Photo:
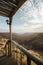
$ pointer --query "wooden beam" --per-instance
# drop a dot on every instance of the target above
(4, 10)
(11, 3)
(3, 14)
(6, 3)
(18, 6)
(5, 6)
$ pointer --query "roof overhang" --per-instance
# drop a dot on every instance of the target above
(9, 7)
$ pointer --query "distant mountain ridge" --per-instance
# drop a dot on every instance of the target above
(30, 41)
(15, 36)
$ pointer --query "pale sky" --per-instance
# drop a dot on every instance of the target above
(28, 19)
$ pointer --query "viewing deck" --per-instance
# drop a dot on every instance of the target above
(14, 55)
(5, 60)
(20, 56)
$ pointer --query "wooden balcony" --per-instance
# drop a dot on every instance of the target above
(8, 8)
(18, 52)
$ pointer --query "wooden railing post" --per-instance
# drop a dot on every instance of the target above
(20, 57)
(6, 49)
(28, 61)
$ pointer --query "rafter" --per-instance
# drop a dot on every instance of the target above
(13, 1)
(9, 2)
(5, 6)
(6, 3)
(4, 10)
(3, 14)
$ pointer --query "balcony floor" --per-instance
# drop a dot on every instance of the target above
(5, 60)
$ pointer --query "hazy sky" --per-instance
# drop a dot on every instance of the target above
(29, 18)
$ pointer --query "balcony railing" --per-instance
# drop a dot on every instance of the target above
(23, 52)
(30, 57)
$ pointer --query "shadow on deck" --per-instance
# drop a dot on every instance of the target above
(5, 60)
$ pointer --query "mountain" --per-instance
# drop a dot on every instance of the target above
(30, 41)
(34, 43)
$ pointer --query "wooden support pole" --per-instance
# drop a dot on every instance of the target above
(28, 61)
(10, 26)
(10, 37)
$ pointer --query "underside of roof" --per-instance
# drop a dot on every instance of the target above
(9, 7)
